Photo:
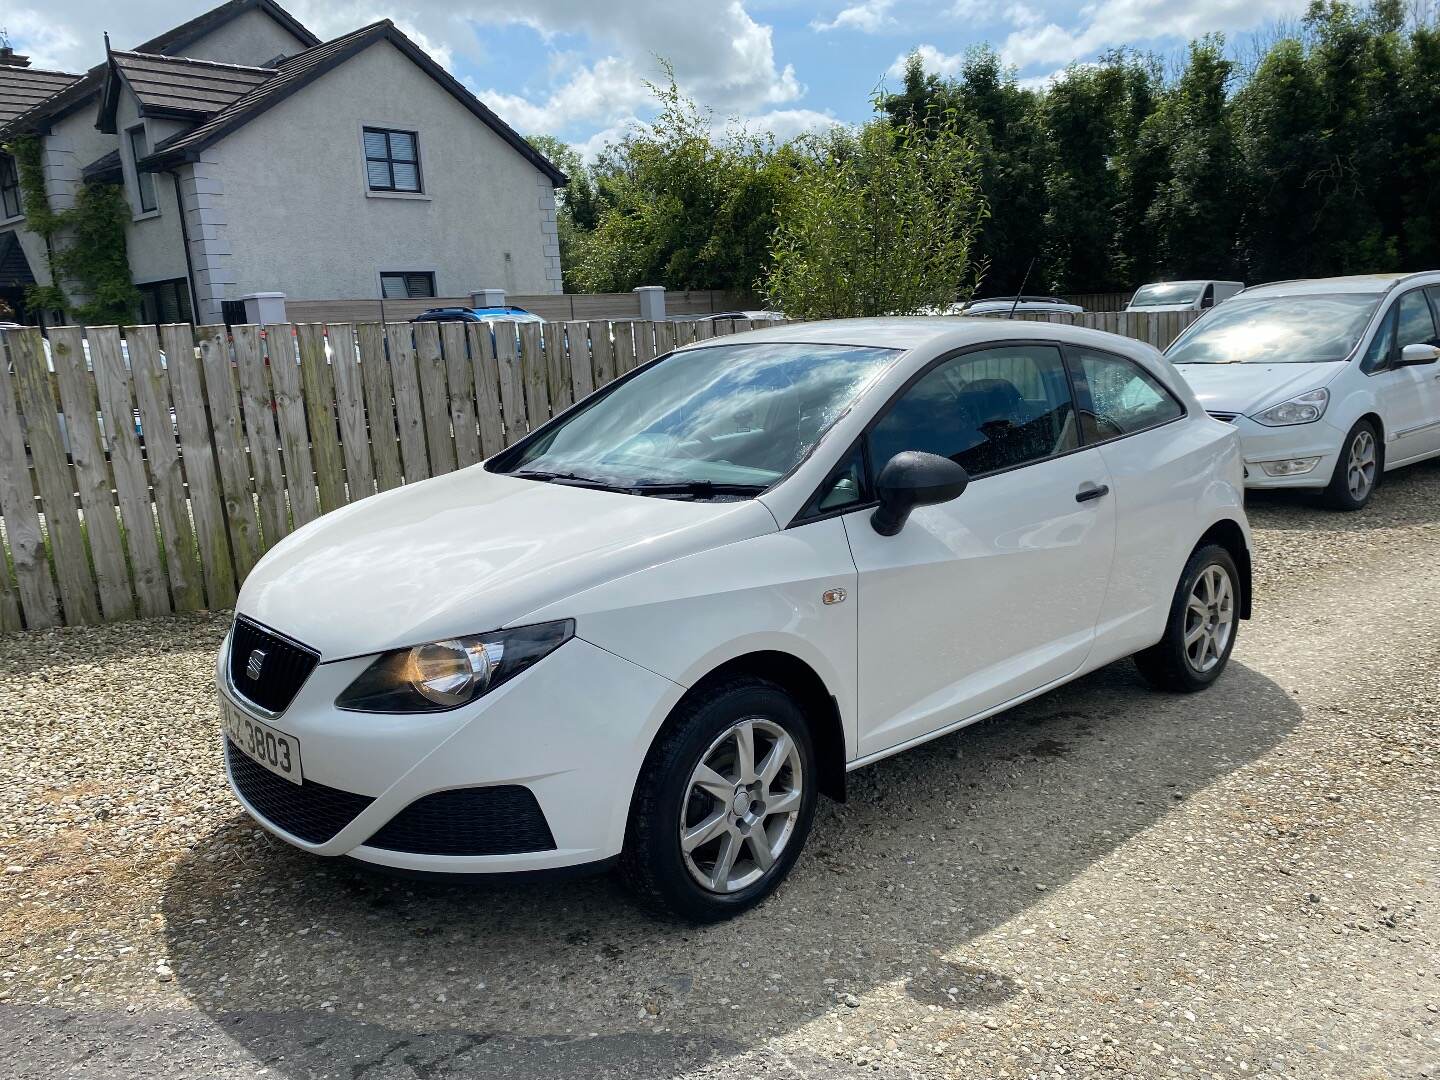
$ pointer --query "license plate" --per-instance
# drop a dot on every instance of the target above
(261, 743)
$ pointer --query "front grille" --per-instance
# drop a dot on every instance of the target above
(1227, 417)
(311, 811)
(283, 665)
(503, 820)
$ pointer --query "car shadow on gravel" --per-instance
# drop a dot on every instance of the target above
(319, 968)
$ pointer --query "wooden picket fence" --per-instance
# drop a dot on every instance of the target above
(145, 470)
(1158, 328)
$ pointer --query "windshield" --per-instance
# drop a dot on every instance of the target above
(1277, 330)
(730, 417)
(1174, 292)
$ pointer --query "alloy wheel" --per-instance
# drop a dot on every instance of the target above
(1360, 468)
(1209, 618)
(741, 805)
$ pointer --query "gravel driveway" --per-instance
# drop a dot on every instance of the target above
(1105, 881)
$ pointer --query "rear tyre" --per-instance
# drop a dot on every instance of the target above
(723, 804)
(1357, 472)
(1200, 634)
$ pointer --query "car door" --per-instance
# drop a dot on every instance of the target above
(994, 594)
(1157, 477)
(1408, 397)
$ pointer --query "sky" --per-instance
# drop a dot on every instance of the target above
(577, 69)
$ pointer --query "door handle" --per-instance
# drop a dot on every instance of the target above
(1091, 493)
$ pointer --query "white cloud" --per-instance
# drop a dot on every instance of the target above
(722, 57)
(49, 44)
(936, 62)
(731, 65)
(1119, 22)
(1043, 82)
(1022, 15)
(868, 17)
(785, 124)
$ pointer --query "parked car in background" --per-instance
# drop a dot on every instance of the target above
(1330, 382)
(1182, 295)
(1023, 305)
(484, 314)
(872, 532)
(774, 316)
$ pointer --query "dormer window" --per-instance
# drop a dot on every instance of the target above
(392, 160)
(144, 181)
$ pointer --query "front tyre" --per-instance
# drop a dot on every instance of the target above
(1200, 633)
(1358, 469)
(723, 804)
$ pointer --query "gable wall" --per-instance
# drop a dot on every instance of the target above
(301, 220)
(251, 38)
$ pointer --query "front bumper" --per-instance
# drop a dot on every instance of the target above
(561, 745)
(1260, 444)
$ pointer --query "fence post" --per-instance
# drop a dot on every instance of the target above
(264, 307)
(487, 298)
(652, 302)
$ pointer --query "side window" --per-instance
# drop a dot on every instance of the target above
(1208, 300)
(987, 410)
(392, 160)
(399, 284)
(1124, 397)
(1382, 346)
(144, 181)
(1416, 321)
(846, 488)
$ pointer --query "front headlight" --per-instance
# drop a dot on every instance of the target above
(443, 675)
(1305, 409)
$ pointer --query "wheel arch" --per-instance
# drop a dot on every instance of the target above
(1228, 534)
(804, 683)
(1374, 417)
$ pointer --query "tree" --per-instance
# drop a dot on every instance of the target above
(1194, 212)
(987, 104)
(1079, 113)
(680, 205)
(1282, 149)
(882, 221)
(577, 204)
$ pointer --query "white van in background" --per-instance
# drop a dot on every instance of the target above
(1182, 295)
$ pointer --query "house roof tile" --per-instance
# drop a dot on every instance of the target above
(179, 84)
(79, 89)
(22, 88)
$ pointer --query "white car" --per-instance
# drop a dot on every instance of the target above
(1330, 382)
(655, 629)
(1182, 295)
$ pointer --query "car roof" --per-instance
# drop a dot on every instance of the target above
(913, 332)
(1355, 283)
(1022, 299)
(1192, 281)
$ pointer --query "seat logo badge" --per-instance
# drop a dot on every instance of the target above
(833, 596)
(255, 664)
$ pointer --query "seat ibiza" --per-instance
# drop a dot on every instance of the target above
(651, 632)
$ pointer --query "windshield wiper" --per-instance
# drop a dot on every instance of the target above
(696, 489)
(569, 479)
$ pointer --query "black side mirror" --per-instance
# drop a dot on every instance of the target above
(914, 478)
